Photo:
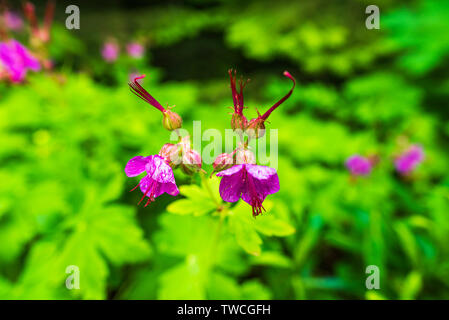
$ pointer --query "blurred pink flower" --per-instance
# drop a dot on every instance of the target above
(135, 50)
(13, 21)
(16, 60)
(409, 159)
(358, 165)
(110, 51)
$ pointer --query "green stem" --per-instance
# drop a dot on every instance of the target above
(205, 182)
(222, 212)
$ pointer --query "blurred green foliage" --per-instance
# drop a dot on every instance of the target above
(65, 138)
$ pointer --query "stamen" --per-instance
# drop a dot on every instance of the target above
(256, 203)
(145, 194)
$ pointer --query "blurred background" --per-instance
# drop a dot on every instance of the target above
(67, 131)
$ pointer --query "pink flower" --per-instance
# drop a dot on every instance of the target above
(135, 50)
(17, 60)
(409, 159)
(158, 179)
(110, 51)
(13, 21)
(250, 182)
(358, 165)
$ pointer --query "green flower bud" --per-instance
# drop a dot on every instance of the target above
(171, 120)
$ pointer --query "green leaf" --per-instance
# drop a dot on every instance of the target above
(184, 281)
(198, 201)
(247, 228)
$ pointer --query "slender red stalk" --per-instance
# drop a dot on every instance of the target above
(28, 9)
(139, 91)
(269, 111)
(48, 19)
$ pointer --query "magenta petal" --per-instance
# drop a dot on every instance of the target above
(260, 172)
(169, 188)
(265, 179)
(230, 171)
(27, 59)
(160, 171)
(145, 183)
(246, 196)
(231, 186)
(151, 187)
(136, 165)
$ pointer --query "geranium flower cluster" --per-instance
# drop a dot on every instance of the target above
(242, 178)
(158, 169)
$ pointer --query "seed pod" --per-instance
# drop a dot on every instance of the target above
(172, 154)
(256, 128)
(238, 121)
(171, 120)
(191, 162)
(222, 162)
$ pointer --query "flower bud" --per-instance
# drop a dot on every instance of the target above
(223, 161)
(184, 144)
(171, 153)
(255, 128)
(238, 121)
(171, 120)
(191, 162)
(245, 156)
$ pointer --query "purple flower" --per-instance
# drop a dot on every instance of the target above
(358, 165)
(110, 51)
(135, 50)
(250, 182)
(159, 176)
(409, 159)
(16, 60)
(13, 21)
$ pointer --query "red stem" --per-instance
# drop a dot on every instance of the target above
(139, 91)
(269, 111)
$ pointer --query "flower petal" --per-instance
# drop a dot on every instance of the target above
(260, 172)
(27, 59)
(230, 171)
(136, 165)
(231, 186)
(159, 188)
(168, 187)
(160, 171)
(145, 183)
